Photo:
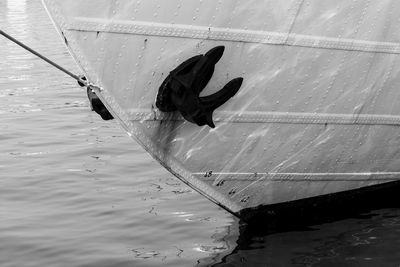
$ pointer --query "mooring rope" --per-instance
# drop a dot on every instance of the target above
(76, 77)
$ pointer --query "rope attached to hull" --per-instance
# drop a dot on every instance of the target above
(95, 101)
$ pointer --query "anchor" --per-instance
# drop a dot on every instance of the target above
(181, 90)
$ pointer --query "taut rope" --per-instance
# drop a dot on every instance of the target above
(76, 77)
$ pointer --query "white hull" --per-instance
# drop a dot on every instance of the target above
(318, 111)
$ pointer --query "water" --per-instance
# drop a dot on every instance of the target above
(77, 191)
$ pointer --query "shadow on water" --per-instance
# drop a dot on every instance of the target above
(360, 228)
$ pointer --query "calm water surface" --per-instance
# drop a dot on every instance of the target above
(76, 191)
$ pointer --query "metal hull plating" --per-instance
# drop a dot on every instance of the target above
(317, 113)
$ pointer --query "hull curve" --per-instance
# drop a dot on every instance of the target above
(317, 113)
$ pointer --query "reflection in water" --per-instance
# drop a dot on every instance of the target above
(363, 231)
(16, 13)
(368, 240)
(16, 6)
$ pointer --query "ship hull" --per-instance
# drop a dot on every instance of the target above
(317, 113)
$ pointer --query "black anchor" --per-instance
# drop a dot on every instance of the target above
(181, 89)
